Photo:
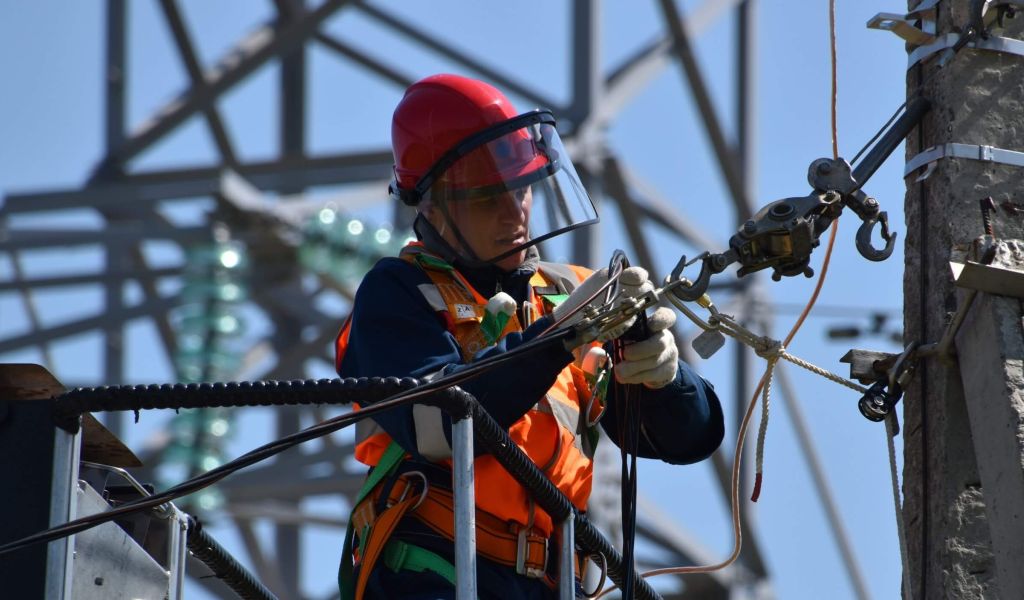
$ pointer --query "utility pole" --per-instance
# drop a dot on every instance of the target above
(963, 428)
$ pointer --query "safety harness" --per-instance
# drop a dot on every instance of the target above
(389, 495)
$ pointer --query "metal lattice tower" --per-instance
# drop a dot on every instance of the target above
(261, 202)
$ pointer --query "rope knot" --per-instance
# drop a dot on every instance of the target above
(768, 348)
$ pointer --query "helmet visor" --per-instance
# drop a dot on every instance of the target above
(509, 188)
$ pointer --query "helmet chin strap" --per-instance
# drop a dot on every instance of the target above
(435, 242)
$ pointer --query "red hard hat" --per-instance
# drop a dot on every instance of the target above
(439, 112)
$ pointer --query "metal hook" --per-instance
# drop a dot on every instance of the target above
(864, 246)
(694, 290)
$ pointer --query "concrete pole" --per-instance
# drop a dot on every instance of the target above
(978, 98)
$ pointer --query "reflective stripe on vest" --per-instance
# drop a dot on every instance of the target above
(551, 434)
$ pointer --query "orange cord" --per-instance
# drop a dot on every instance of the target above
(835, 224)
(734, 495)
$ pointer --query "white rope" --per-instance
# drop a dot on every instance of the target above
(768, 348)
(890, 434)
(771, 350)
(824, 373)
(762, 431)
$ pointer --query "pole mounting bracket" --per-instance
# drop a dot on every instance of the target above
(930, 157)
(902, 25)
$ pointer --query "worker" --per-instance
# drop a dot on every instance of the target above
(489, 187)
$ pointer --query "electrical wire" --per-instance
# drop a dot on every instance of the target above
(331, 425)
(835, 79)
(628, 417)
(280, 445)
(965, 38)
(745, 423)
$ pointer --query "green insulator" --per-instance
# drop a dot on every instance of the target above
(218, 427)
(315, 256)
(220, 289)
(231, 256)
(209, 499)
(217, 321)
(326, 217)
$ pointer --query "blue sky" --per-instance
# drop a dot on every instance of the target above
(52, 111)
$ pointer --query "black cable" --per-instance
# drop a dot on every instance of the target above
(223, 565)
(629, 429)
(965, 38)
(126, 398)
(491, 435)
(276, 447)
(497, 442)
(627, 407)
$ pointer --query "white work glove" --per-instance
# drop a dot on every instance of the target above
(654, 361)
(632, 283)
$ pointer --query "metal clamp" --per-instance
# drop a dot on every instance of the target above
(983, 153)
(600, 321)
(992, 43)
(882, 396)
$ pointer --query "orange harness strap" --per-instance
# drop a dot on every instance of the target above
(502, 542)
(372, 548)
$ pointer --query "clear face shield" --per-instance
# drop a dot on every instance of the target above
(505, 189)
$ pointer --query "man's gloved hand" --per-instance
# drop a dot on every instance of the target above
(632, 283)
(654, 361)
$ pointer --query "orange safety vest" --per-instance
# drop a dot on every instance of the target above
(552, 433)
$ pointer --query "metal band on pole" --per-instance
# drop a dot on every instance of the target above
(929, 157)
(465, 509)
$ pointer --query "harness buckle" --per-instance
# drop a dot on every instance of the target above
(408, 486)
(522, 553)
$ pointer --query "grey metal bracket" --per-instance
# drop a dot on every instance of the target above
(932, 155)
(868, 366)
(906, 26)
(992, 279)
(903, 26)
(993, 43)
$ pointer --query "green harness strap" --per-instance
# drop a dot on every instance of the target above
(398, 555)
(388, 462)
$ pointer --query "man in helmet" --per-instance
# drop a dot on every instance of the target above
(489, 186)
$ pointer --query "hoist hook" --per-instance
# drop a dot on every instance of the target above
(690, 291)
(864, 246)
